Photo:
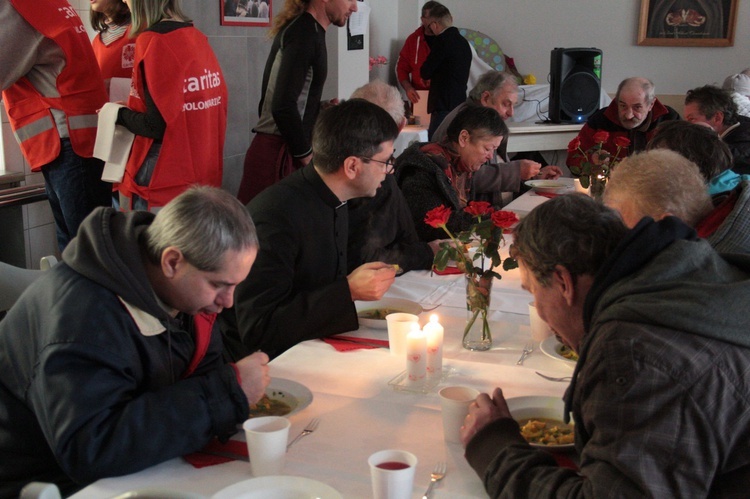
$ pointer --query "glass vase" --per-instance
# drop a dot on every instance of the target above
(477, 334)
(598, 184)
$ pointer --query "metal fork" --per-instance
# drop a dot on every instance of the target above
(564, 378)
(437, 474)
(311, 427)
(526, 351)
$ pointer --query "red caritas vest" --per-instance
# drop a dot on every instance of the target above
(116, 59)
(188, 87)
(79, 85)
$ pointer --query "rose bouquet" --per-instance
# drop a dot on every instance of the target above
(597, 162)
(486, 235)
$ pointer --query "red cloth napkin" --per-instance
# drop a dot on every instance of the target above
(200, 459)
(348, 343)
(547, 194)
(447, 271)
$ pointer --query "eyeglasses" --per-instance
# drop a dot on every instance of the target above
(388, 163)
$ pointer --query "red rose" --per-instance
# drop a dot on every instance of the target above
(478, 208)
(622, 141)
(504, 219)
(574, 144)
(437, 217)
(601, 136)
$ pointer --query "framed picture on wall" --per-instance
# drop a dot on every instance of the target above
(245, 12)
(687, 23)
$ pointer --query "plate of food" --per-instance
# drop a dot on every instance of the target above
(548, 186)
(278, 487)
(372, 313)
(541, 421)
(553, 348)
(283, 397)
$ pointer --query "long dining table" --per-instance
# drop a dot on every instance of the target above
(363, 409)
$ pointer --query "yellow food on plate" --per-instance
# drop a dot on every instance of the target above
(568, 353)
(268, 406)
(376, 313)
(545, 431)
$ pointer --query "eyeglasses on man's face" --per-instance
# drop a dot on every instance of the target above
(388, 162)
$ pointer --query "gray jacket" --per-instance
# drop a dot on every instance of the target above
(733, 235)
(660, 393)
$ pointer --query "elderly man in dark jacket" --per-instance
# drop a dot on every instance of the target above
(108, 362)
(634, 114)
(659, 396)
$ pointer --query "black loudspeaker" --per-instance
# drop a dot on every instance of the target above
(575, 84)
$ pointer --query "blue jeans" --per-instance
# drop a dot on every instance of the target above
(74, 188)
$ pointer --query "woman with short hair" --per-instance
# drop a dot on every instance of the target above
(434, 174)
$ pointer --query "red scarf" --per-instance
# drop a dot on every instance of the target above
(454, 168)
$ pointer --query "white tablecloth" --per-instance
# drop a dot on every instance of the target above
(361, 414)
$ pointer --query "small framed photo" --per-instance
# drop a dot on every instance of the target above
(245, 12)
(687, 23)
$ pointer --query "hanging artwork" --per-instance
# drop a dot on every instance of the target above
(245, 12)
(687, 23)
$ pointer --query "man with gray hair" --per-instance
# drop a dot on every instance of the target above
(384, 95)
(634, 114)
(658, 183)
(109, 363)
(498, 90)
(659, 394)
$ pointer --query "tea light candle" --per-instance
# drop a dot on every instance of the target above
(416, 354)
(434, 336)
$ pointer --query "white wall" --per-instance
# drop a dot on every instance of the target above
(347, 69)
(528, 30)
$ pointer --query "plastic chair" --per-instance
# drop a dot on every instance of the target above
(14, 280)
(47, 262)
(40, 490)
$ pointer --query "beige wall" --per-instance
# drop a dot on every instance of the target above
(528, 30)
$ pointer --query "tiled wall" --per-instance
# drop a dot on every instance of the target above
(38, 224)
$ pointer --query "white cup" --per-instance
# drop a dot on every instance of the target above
(454, 402)
(399, 325)
(392, 483)
(540, 330)
(266, 444)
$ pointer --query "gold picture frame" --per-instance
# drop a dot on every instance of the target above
(687, 23)
(245, 12)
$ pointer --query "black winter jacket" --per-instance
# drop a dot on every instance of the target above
(84, 394)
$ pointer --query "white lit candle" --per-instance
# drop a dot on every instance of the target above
(416, 355)
(434, 335)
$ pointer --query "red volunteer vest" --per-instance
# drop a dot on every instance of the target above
(187, 85)
(116, 59)
(79, 84)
